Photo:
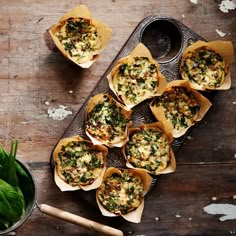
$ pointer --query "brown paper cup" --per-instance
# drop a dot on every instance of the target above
(103, 31)
(59, 178)
(135, 215)
(167, 132)
(223, 48)
(118, 141)
(203, 102)
(139, 51)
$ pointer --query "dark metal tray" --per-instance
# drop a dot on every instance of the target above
(166, 38)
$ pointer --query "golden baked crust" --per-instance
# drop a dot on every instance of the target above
(107, 121)
(149, 148)
(179, 107)
(206, 65)
(122, 193)
(136, 77)
(78, 162)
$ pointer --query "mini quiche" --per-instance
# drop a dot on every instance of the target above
(122, 193)
(206, 65)
(149, 148)
(179, 107)
(79, 37)
(136, 77)
(107, 121)
(79, 164)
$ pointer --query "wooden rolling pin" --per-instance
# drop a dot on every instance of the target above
(83, 222)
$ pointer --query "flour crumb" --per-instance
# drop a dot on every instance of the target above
(222, 34)
(227, 210)
(234, 155)
(59, 113)
(214, 198)
(227, 5)
(157, 218)
(24, 122)
(47, 103)
(193, 1)
(190, 218)
(189, 137)
(183, 16)
(71, 91)
(234, 102)
(234, 197)
(178, 215)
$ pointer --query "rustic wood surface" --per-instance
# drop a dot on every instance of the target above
(31, 73)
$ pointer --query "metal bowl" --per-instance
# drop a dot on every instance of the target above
(30, 201)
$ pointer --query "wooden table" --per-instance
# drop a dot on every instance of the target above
(33, 76)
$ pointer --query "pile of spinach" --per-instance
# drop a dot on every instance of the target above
(15, 187)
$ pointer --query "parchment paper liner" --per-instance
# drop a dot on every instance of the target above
(82, 12)
(203, 102)
(158, 126)
(225, 49)
(135, 215)
(59, 178)
(120, 141)
(139, 51)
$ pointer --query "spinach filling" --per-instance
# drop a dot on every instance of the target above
(78, 161)
(180, 107)
(107, 116)
(121, 193)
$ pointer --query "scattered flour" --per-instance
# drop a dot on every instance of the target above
(193, 1)
(24, 122)
(59, 113)
(220, 33)
(178, 216)
(227, 5)
(228, 210)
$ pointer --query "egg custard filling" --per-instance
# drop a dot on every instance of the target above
(148, 149)
(121, 193)
(79, 163)
(204, 67)
(180, 107)
(106, 121)
(137, 78)
(80, 38)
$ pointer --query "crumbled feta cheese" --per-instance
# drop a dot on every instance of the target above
(220, 33)
(227, 5)
(193, 1)
(58, 113)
